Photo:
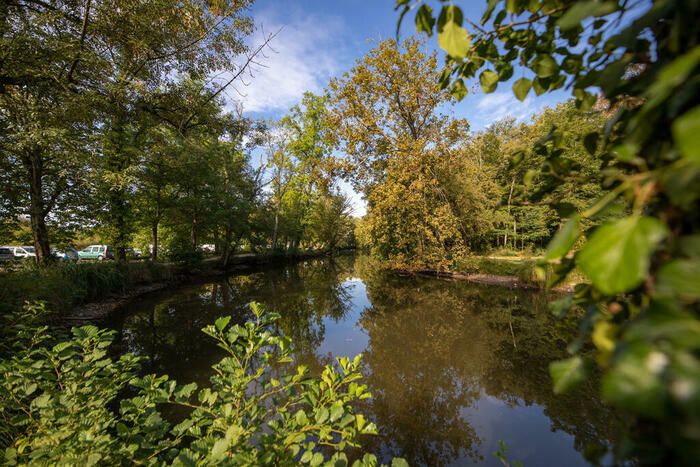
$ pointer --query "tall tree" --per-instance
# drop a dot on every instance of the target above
(385, 115)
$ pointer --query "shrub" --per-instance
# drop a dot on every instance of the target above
(180, 251)
(62, 286)
(63, 399)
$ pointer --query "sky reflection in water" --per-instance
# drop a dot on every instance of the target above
(453, 367)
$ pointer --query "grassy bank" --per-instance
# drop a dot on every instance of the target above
(64, 286)
(508, 271)
(520, 267)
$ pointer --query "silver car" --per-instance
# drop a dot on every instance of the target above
(67, 255)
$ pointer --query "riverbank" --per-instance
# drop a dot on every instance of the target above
(513, 272)
(87, 291)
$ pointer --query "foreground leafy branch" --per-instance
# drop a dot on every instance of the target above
(71, 403)
(640, 63)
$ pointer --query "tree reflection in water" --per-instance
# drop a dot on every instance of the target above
(453, 367)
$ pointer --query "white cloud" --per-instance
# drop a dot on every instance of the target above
(303, 56)
(500, 105)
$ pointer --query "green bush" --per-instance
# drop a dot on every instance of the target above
(67, 404)
(179, 250)
(62, 286)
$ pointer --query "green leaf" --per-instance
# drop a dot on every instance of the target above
(301, 417)
(399, 462)
(563, 240)
(603, 337)
(459, 90)
(218, 451)
(488, 80)
(521, 87)
(306, 457)
(322, 415)
(41, 401)
(686, 134)
(680, 278)
(424, 19)
(454, 39)
(634, 383)
(489, 11)
(317, 459)
(403, 13)
(545, 66)
(540, 86)
(625, 152)
(336, 411)
(582, 10)
(616, 257)
(567, 374)
(222, 322)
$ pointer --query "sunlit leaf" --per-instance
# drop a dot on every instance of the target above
(616, 258)
(488, 80)
(454, 39)
(459, 90)
(603, 338)
(563, 240)
(521, 87)
(545, 66)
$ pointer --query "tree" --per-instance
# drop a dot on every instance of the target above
(305, 127)
(329, 224)
(70, 68)
(42, 111)
(385, 115)
(282, 167)
(643, 299)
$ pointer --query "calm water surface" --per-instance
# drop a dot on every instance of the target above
(453, 367)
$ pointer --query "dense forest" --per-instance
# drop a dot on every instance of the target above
(117, 127)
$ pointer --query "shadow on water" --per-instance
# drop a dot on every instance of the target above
(453, 367)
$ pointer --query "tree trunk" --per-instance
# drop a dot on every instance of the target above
(226, 253)
(193, 231)
(37, 214)
(154, 239)
(277, 221)
(155, 225)
(120, 223)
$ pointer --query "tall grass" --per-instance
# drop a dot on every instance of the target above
(63, 286)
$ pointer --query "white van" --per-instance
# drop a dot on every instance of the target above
(22, 251)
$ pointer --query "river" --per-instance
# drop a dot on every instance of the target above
(454, 368)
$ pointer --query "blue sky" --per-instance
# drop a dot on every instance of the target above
(321, 39)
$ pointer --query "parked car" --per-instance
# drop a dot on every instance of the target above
(208, 248)
(67, 255)
(133, 252)
(21, 252)
(98, 252)
(6, 254)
